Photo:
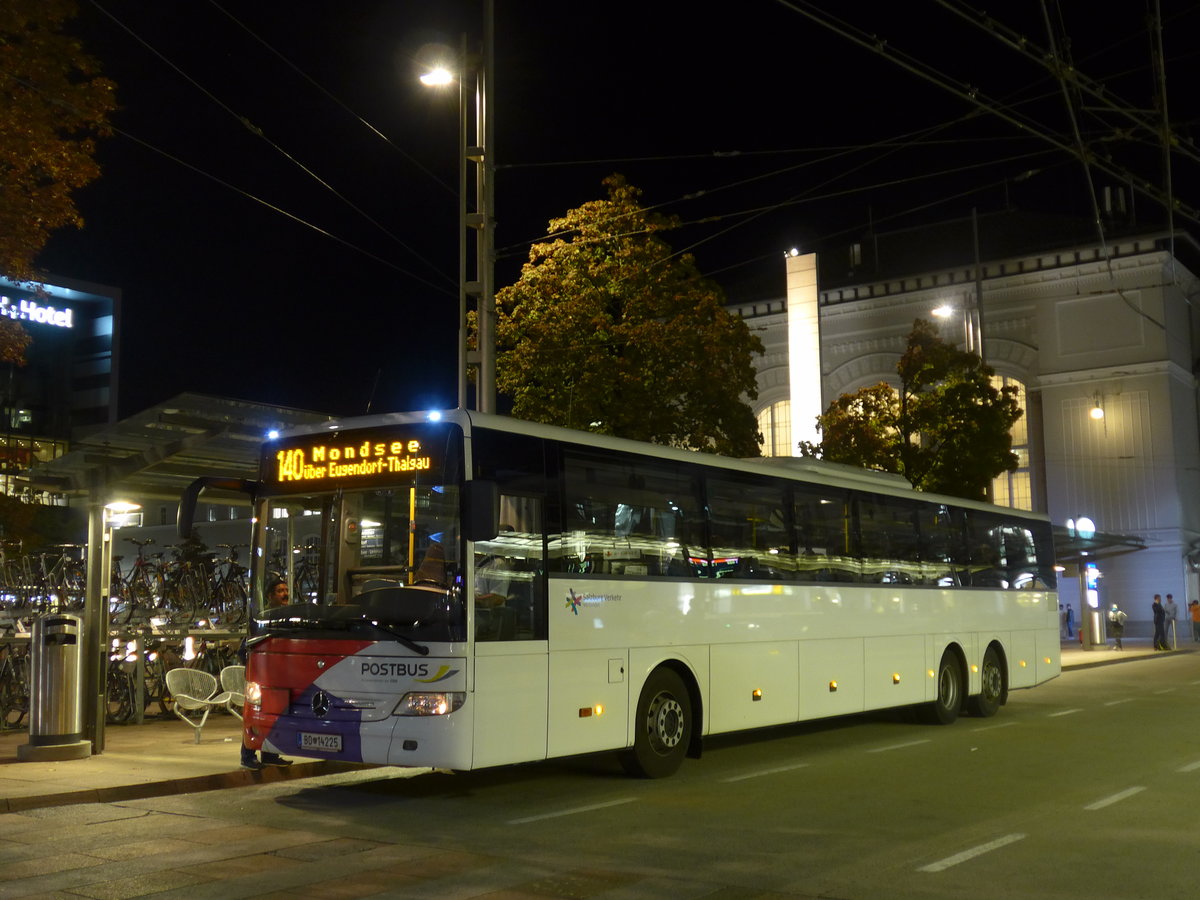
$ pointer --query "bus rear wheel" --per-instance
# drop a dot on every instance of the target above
(992, 693)
(663, 727)
(945, 709)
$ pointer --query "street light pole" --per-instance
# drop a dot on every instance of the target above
(476, 223)
(482, 221)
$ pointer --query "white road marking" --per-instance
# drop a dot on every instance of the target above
(1115, 798)
(569, 812)
(1165, 691)
(1190, 767)
(943, 864)
(764, 772)
(1118, 702)
(1065, 712)
(900, 746)
(994, 727)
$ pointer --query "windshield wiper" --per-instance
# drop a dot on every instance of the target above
(406, 641)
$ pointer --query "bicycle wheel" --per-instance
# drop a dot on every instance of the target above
(119, 699)
(14, 700)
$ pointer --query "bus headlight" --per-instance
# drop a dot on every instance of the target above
(254, 694)
(438, 703)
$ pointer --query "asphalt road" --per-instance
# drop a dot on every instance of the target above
(1086, 787)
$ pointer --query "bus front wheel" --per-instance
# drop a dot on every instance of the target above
(992, 694)
(663, 727)
(944, 710)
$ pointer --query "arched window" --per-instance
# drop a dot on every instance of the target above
(775, 423)
(1015, 488)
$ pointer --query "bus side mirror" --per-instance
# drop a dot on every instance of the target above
(480, 510)
(191, 495)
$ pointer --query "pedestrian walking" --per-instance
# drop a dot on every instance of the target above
(1160, 623)
(1116, 625)
(1062, 622)
(1070, 621)
(1194, 609)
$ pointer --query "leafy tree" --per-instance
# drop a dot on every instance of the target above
(53, 104)
(608, 330)
(947, 429)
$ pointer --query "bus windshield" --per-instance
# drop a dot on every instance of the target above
(369, 561)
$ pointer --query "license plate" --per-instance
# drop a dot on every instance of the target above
(326, 743)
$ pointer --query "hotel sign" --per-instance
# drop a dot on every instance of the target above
(25, 310)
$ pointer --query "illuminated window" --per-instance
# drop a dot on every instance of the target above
(775, 423)
(1014, 488)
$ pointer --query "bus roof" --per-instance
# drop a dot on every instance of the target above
(795, 468)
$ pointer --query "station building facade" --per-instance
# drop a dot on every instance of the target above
(1100, 336)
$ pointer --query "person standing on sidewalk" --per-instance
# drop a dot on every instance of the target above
(1160, 623)
(277, 595)
(1194, 609)
(1172, 613)
(1116, 625)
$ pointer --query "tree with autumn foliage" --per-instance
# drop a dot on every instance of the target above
(53, 104)
(947, 429)
(608, 329)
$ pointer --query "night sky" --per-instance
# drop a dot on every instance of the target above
(757, 125)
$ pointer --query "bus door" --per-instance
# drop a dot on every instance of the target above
(511, 668)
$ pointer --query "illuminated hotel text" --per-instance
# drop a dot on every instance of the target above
(28, 311)
(351, 462)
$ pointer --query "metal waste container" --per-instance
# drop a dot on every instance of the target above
(56, 689)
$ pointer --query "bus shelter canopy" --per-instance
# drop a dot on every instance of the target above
(156, 453)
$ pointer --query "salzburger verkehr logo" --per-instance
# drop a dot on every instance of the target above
(574, 600)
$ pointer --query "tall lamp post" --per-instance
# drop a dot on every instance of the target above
(475, 72)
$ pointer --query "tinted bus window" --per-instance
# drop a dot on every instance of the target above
(750, 530)
(825, 546)
(622, 517)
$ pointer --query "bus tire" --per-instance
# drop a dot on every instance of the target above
(662, 727)
(945, 709)
(993, 693)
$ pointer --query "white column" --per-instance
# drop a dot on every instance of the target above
(804, 348)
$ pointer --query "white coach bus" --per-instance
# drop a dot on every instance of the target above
(470, 590)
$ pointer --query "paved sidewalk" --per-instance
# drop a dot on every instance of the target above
(151, 760)
(161, 757)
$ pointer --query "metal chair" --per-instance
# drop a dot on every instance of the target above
(233, 682)
(195, 691)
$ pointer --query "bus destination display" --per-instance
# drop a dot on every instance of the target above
(352, 459)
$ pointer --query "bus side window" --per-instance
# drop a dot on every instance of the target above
(627, 519)
(750, 529)
(824, 537)
(509, 586)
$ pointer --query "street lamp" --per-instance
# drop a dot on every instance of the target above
(478, 220)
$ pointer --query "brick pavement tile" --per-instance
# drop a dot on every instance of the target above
(232, 867)
(578, 884)
(228, 834)
(135, 885)
(119, 848)
(323, 849)
(44, 864)
(362, 884)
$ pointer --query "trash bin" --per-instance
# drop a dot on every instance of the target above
(56, 691)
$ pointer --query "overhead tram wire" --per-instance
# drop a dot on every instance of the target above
(1062, 64)
(902, 141)
(258, 132)
(331, 96)
(237, 190)
(975, 96)
(1099, 93)
(283, 212)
